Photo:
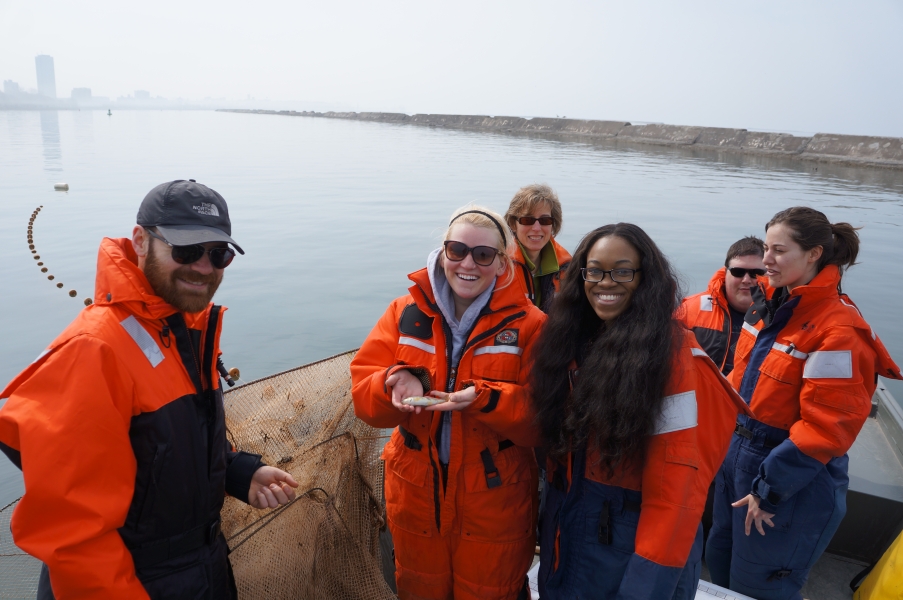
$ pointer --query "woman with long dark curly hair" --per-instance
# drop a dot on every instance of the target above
(636, 420)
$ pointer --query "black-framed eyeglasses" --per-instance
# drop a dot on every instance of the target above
(617, 275)
(458, 251)
(740, 272)
(220, 256)
(529, 220)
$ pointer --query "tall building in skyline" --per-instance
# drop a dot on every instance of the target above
(11, 87)
(46, 75)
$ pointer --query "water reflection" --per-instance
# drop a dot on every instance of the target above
(83, 120)
(50, 138)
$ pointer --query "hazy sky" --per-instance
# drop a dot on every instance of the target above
(803, 66)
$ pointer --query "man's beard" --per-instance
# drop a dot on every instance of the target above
(165, 286)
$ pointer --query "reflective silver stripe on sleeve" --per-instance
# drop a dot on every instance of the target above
(499, 350)
(829, 364)
(705, 303)
(853, 306)
(144, 340)
(678, 412)
(42, 355)
(750, 329)
(790, 351)
(698, 352)
(408, 341)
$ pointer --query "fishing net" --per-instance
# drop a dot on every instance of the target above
(18, 571)
(325, 543)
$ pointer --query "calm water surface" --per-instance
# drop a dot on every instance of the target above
(334, 214)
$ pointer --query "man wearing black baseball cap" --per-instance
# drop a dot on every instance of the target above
(119, 427)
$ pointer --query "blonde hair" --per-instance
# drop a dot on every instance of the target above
(485, 218)
(527, 199)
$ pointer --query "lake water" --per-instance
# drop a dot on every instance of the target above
(334, 214)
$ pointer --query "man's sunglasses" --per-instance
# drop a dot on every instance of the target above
(740, 272)
(220, 257)
(530, 220)
(458, 251)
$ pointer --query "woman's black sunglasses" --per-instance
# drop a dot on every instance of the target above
(220, 257)
(740, 272)
(458, 251)
(530, 220)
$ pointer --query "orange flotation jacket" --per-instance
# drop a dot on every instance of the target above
(632, 532)
(708, 316)
(807, 362)
(119, 430)
(549, 283)
(491, 440)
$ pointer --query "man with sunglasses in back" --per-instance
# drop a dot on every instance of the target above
(118, 426)
(716, 315)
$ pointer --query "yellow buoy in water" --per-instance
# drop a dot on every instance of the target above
(61, 187)
(73, 293)
(234, 373)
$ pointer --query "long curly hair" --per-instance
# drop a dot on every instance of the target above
(623, 366)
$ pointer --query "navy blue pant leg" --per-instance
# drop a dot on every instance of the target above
(775, 566)
(689, 577)
(720, 542)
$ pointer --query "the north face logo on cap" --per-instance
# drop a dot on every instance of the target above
(205, 208)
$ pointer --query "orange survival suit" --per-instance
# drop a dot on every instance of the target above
(474, 537)
(637, 534)
(548, 282)
(807, 364)
(119, 430)
(708, 316)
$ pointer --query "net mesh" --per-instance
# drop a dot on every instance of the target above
(18, 571)
(324, 544)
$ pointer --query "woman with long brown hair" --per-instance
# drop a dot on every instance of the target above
(807, 364)
(636, 420)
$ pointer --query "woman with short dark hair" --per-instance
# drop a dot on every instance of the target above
(636, 420)
(807, 364)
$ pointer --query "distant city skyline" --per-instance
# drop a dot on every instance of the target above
(45, 96)
(798, 67)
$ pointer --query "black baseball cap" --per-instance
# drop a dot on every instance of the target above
(186, 212)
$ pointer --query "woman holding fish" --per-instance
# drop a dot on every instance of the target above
(446, 366)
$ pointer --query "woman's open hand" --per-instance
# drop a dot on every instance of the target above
(754, 514)
(404, 385)
(454, 401)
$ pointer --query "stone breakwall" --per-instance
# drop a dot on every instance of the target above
(849, 149)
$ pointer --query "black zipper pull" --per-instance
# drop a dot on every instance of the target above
(164, 336)
(450, 386)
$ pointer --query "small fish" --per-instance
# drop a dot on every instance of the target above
(422, 401)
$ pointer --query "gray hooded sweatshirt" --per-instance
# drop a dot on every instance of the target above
(460, 329)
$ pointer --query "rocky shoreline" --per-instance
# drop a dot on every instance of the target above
(822, 147)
